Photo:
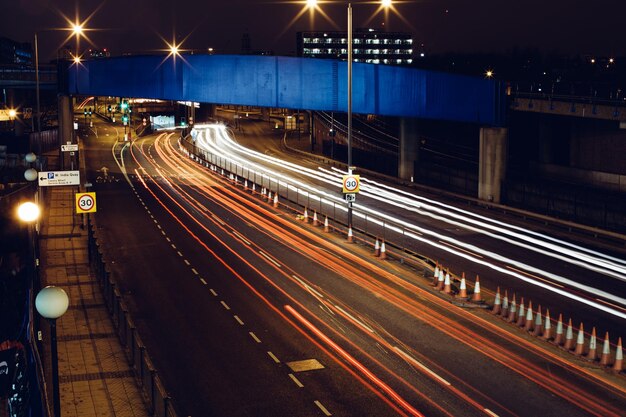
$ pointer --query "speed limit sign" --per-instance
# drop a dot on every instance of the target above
(351, 183)
(85, 202)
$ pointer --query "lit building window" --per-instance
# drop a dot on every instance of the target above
(408, 61)
(398, 61)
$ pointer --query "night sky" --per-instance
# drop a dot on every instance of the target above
(468, 26)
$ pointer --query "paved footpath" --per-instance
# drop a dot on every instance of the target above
(94, 375)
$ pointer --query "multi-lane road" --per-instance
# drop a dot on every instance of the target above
(248, 311)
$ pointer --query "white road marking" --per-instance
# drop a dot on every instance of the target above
(218, 220)
(266, 256)
(225, 305)
(173, 246)
(168, 239)
(321, 407)
(256, 339)
(203, 281)
(194, 271)
(247, 242)
(187, 262)
(307, 286)
(163, 232)
(357, 321)
(159, 226)
(274, 358)
(491, 413)
(213, 292)
(179, 254)
(238, 320)
(298, 383)
(420, 365)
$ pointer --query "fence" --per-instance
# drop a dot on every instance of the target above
(159, 403)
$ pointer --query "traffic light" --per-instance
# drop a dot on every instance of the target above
(109, 109)
(123, 105)
(130, 109)
(85, 112)
(125, 119)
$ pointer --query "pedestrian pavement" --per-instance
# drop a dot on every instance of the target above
(94, 374)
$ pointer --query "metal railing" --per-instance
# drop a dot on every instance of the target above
(159, 402)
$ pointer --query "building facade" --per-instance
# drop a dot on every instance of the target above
(17, 53)
(370, 46)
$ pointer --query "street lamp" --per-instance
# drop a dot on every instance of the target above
(51, 303)
(76, 29)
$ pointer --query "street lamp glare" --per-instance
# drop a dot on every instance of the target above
(311, 4)
(77, 60)
(28, 212)
(174, 49)
(77, 29)
(12, 113)
(386, 3)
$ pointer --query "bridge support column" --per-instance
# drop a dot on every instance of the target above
(492, 164)
(66, 127)
(409, 148)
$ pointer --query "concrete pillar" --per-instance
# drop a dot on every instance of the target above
(492, 164)
(66, 127)
(409, 148)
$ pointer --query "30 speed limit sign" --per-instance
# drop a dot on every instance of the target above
(85, 202)
(351, 183)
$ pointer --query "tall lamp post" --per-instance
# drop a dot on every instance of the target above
(76, 29)
(52, 302)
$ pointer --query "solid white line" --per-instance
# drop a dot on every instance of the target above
(238, 320)
(203, 281)
(274, 358)
(298, 383)
(491, 413)
(256, 339)
(218, 220)
(225, 305)
(419, 364)
(266, 256)
(247, 242)
(359, 322)
(194, 271)
(213, 292)
(321, 407)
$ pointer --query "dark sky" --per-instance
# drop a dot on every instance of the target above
(567, 26)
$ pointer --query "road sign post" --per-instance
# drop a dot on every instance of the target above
(86, 202)
(55, 178)
(351, 186)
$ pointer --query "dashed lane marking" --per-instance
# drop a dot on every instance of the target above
(173, 246)
(202, 281)
(321, 407)
(194, 271)
(213, 292)
(256, 339)
(238, 320)
(187, 262)
(298, 383)
(225, 305)
(415, 362)
(357, 321)
(168, 239)
(274, 358)
(246, 241)
(179, 254)
(269, 258)
(491, 413)
(163, 232)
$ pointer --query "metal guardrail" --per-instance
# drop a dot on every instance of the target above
(160, 404)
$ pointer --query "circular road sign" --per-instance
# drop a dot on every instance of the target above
(351, 183)
(85, 202)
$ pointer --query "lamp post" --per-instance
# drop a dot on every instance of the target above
(52, 302)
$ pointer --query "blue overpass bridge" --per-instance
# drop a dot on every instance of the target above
(310, 84)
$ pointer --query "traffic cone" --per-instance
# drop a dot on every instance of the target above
(462, 288)
(276, 200)
(376, 248)
(447, 287)
(593, 346)
(521, 314)
(605, 358)
(497, 304)
(306, 215)
(512, 310)
(580, 341)
(618, 366)
(558, 338)
(253, 188)
(476, 297)
(505, 304)
(383, 250)
(569, 336)
(269, 196)
(350, 237)
(538, 322)
(435, 273)
(547, 327)
(315, 221)
(326, 227)
(528, 322)
(440, 280)
(245, 184)
(263, 192)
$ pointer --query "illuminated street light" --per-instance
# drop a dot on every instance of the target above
(28, 212)
(77, 60)
(12, 114)
(386, 3)
(77, 29)
(311, 4)
(489, 74)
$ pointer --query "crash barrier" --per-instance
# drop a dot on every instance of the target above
(159, 402)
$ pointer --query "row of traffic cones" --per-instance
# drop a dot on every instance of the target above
(442, 281)
(315, 220)
(540, 325)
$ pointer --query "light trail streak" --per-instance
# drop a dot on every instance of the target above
(218, 133)
(469, 341)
